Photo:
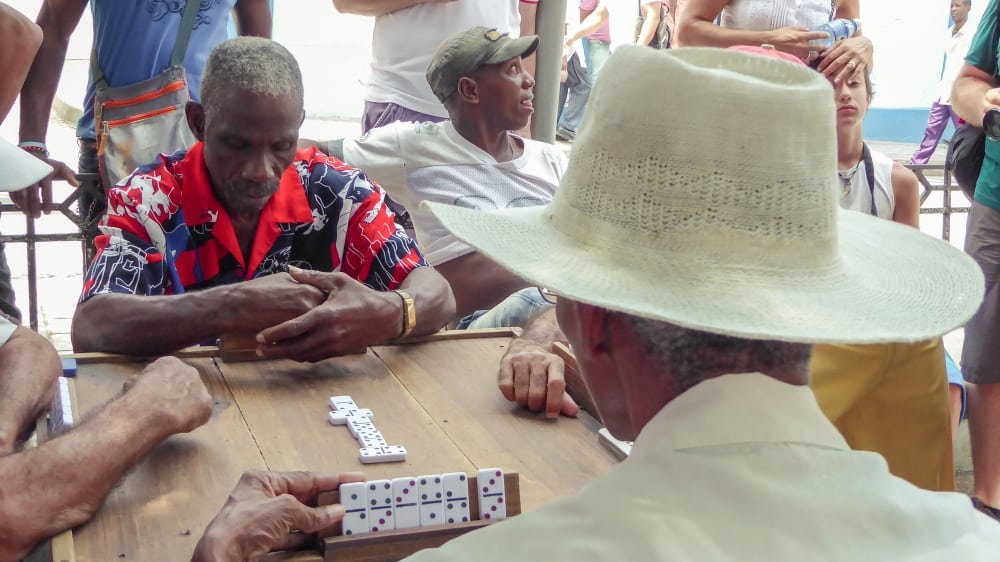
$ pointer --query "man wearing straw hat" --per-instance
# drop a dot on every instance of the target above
(60, 484)
(694, 272)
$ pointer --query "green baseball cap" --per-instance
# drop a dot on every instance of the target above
(467, 51)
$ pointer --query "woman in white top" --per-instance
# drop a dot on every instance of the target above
(784, 24)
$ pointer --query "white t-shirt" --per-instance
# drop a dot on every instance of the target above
(957, 46)
(404, 41)
(622, 18)
(416, 162)
(859, 196)
(768, 15)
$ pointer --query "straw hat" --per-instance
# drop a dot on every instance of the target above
(18, 169)
(701, 190)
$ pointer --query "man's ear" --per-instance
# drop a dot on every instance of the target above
(468, 89)
(593, 330)
(195, 114)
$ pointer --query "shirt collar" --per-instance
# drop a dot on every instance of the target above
(289, 204)
(738, 408)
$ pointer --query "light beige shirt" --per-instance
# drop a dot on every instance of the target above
(742, 467)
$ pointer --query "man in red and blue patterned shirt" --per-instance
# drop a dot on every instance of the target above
(242, 233)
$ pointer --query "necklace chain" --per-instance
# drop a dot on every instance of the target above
(846, 177)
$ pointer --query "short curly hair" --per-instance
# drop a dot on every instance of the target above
(252, 64)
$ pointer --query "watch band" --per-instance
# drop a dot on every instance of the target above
(409, 313)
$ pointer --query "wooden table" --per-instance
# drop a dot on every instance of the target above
(439, 399)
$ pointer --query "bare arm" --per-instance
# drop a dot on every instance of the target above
(29, 367)
(651, 15)
(60, 484)
(58, 19)
(848, 9)
(19, 41)
(253, 17)
(969, 94)
(528, 13)
(906, 192)
(696, 28)
(589, 24)
(378, 7)
(155, 325)
(478, 282)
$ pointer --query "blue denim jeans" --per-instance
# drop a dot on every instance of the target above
(513, 311)
(573, 93)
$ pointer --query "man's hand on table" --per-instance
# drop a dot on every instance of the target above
(174, 392)
(533, 376)
(352, 317)
(269, 511)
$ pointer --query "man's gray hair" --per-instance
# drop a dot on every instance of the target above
(693, 356)
(251, 64)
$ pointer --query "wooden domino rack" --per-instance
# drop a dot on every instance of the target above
(395, 545)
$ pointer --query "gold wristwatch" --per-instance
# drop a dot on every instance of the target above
(409, 313)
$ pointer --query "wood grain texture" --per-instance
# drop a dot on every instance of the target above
(195, 352)
(457, 386)
(285, 404)
(163, 505)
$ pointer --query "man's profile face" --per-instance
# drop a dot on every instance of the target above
(249, 141)
(505, 92)
(960, 10)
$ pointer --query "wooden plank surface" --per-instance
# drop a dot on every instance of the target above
(285, 404)
(163, 505)
(456, 383)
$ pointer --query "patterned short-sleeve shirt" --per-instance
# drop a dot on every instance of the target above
(166, 233)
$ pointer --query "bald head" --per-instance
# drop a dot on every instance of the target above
(252, 65)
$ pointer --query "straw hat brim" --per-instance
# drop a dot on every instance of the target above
(891, 283)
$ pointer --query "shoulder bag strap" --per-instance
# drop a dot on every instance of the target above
(866, 156)
(180, 44)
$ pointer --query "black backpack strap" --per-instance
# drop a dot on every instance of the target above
(180, 45)
(866, 156)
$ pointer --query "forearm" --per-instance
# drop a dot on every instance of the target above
(478, 283)
(40, 85)
(373, 7)
(19, 41)
(700, 33)
(588, 26)
(968, 99)
(542, 331)
(253, 18)
(29, 367)
(649, 24)
(432, 299)
(157, 325)
(62, 483)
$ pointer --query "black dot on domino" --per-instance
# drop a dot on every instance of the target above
(464, 519)
(387, 485)
(433, 515)
(463, 504)
(354, 496)
(462, 478)
(450, 520)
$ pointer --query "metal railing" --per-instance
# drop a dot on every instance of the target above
(946, 187)
(89, 183)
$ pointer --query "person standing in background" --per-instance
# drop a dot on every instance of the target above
(957, 46)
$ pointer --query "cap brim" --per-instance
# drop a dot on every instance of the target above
(891, 284)
(18, 169)
(520, 47)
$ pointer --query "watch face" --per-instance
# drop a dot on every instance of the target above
(991, 124)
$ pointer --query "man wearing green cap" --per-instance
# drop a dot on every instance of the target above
(472, 160)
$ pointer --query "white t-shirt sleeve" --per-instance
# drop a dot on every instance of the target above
(379, 156)
(6, 329)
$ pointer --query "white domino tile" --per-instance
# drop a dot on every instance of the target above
(340, 417)
(338, 403)
(382, 453)
(455, 486)
(404, 502)
(358, 425)
(381, 516)
(431, 497)
(491, 493)
(354, 498)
